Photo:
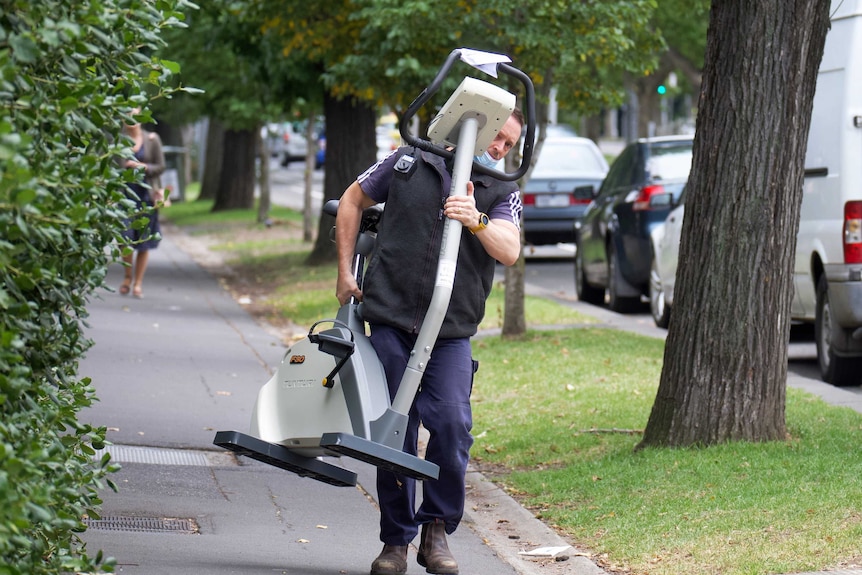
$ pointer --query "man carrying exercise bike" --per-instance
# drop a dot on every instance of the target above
(397, 291)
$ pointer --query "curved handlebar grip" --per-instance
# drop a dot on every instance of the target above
(529, 112)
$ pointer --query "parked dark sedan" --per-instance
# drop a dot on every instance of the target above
(613, 251)
(550, 207)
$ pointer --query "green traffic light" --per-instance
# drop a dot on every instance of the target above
(662, 90)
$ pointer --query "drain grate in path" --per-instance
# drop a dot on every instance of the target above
(143, 524)
(164, 456)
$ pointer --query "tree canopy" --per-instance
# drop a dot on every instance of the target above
(385, 51)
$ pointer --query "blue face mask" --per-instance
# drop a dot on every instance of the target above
(486, 160)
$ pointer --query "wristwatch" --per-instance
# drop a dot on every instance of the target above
(483, 223)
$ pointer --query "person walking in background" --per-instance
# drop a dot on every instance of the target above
(150, 158)
(396, 294)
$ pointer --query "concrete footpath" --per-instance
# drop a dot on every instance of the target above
(185, 361)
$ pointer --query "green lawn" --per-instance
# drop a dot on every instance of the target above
(562, 422)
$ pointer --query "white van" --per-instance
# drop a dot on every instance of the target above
(828, 266)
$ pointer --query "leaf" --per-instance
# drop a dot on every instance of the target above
(68, 104)
(25, 197)
(174, 67)
(24, 48)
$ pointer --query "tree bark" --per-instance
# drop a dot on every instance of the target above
(593, 127)
(310, 153)
(213, 160)
(236, 187)
(514, 314)
(725, 365)
(351, 147)
(264, 203)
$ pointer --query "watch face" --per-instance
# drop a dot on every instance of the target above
(483, 219)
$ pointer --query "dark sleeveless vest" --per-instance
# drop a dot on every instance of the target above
(402, 270)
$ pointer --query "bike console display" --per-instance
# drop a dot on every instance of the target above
(490, 105)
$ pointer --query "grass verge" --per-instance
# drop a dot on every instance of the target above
(557, 427)
(558, 413)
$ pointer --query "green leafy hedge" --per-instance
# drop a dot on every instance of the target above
(70, 72)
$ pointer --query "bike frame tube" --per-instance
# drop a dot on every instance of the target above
(445, 275)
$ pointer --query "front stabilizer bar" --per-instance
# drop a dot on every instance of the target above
(283, 458)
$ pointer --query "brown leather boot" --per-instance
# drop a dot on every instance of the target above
(434, 552)
(391, 561)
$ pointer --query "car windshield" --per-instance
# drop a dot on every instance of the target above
(565, 157)
(669, 162)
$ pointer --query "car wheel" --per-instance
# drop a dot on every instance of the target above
(586, 292)
(616, 302)
(657, 303)
(835, 369)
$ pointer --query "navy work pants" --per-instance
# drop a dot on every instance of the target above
(442, 405)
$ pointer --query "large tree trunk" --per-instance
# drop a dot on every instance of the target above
(725, 365)
(236, 187)
(350, 148)
(213, 160)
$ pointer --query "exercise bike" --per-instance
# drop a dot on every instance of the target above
(329, 396)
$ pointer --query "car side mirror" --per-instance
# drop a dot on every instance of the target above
(585, 193)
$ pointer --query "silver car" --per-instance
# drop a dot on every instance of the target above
(550, 206)
(293, 145)
(272, 134)
(665, 255)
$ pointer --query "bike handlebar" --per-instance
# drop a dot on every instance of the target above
(428, 146)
